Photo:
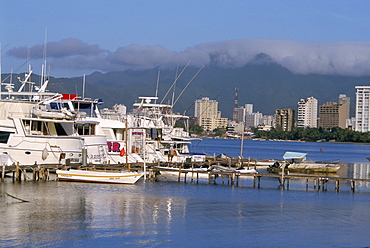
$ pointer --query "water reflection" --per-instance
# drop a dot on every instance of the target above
(71, 211)
(155, 214)
(359, 171)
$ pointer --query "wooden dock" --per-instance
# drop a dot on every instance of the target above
(319, 183)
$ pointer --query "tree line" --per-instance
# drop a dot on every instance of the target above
(315, 134)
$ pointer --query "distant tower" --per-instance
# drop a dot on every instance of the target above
(236, 98)
(235, 113)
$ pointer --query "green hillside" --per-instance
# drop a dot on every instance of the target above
(261, 82)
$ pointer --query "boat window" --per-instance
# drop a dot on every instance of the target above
(80, 128)
(92, 129)
(35, 127)
(4, 136)
(85, 128)
(60, 130)
(155, 134)
(119, 133)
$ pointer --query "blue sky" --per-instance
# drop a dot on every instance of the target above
(84, 36)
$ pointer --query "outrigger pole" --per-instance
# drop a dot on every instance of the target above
(187, 85)
(175, 81)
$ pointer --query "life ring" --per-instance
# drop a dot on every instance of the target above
(122, 152)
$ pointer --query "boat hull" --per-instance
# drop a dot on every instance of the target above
(308, 168)
(98, 176)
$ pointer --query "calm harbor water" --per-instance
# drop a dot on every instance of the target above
(171, 214)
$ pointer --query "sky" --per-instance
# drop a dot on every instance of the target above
(306, 36)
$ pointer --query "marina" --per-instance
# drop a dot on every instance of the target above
(147, 176)
(184, 124)
(191, 173)
(156, 211)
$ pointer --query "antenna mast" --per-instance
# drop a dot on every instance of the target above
(83, 86)
(43, 72)
(156, 89)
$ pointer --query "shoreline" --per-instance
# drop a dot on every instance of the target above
(303, 141)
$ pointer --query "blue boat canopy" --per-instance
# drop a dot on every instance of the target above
(294, 155)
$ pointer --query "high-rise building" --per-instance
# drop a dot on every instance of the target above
(248, 108)
(239, 114)
(236, 113)
(362, 108)
(253, 119)
(268, 120)
(207, 114)
(345, 100)
(307, 112)
(284, 119)
(333, 114)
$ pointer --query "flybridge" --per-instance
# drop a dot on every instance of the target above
(146, 102)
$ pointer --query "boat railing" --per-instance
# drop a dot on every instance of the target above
(19, 115)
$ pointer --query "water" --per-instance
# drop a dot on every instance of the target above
(171, 214)
(318, 151)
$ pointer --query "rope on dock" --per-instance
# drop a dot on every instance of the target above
(16, 197)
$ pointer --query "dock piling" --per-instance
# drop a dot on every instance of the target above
(3, 173)
(337, 185)
(352, 182)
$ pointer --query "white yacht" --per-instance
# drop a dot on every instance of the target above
(147, 135)
(33, 132)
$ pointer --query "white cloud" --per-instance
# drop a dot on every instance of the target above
(336, 58)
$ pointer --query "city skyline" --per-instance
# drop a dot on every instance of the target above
(307, 114)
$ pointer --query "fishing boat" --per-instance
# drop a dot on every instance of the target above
(115, 126)
(296, 162)
(162, 136)
(99, 176)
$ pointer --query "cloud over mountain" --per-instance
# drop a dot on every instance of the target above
(334, 58)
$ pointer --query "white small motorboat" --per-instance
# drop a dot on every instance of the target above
(296, 162)
(243, 170)
(246, 171)
(99, 176)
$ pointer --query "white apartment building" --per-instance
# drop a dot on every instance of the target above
(362, 108)
(248, 108)
(207, 114)
(307, 112)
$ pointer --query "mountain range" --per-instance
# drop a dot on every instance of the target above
(262, 82)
